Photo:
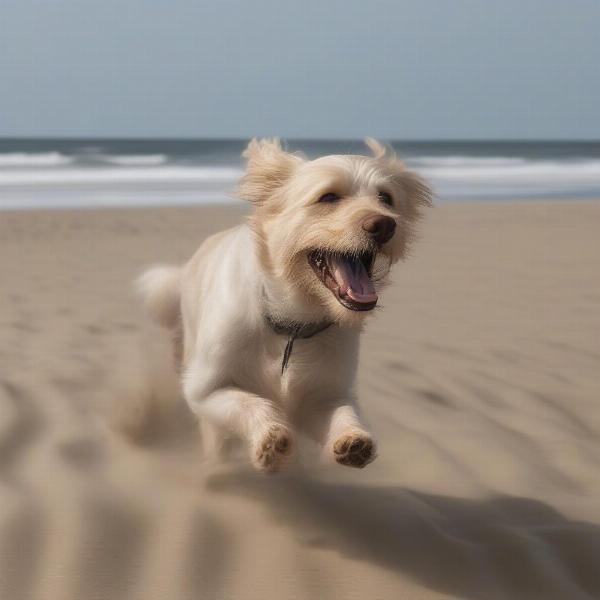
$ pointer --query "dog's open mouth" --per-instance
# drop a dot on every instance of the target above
(348, 276)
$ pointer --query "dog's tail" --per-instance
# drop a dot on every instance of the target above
(160, 289)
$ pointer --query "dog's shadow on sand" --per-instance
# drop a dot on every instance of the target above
(501, 547)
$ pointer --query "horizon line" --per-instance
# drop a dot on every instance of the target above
(295, 139)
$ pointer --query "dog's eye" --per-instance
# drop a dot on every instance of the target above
(329, 197)
(385, 198)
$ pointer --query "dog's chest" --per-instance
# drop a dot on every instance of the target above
(322, 365)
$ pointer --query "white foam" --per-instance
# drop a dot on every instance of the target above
(88, 187)
(37, 159)
(521, 177)
(136, 160)
(111, 176)
(50, 179)
(467, 161)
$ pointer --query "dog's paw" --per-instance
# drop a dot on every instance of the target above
(273, 449)
(354, 449)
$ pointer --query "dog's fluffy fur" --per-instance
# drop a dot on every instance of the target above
(230, 357)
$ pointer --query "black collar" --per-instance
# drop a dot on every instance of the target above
(294, 330)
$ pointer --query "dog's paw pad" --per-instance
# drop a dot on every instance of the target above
(354, 450)
(274, 449)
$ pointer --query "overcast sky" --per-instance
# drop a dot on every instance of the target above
(418, 69)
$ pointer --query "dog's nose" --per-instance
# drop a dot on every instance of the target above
(380, 228)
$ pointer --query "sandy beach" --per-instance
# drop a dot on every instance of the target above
(480, 376)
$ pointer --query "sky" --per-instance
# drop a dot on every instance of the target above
(418, 69)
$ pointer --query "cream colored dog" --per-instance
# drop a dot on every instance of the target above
(267, 315)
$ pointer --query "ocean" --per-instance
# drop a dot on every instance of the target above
(95, 173)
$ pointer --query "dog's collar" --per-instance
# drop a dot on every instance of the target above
(294, 330)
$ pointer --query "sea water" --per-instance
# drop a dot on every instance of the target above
(94, 173)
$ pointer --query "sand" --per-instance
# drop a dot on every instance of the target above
(480, 376)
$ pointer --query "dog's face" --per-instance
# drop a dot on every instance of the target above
(329, 229)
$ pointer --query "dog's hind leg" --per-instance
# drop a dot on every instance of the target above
(213, 441)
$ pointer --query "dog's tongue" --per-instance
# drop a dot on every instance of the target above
(353, 279)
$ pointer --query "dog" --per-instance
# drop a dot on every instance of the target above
(267, 316)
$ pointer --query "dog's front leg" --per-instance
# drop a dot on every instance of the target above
(256, 420)
(347, 439)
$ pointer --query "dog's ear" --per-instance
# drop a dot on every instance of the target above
(269, 166)
(376, 147)
(416, 190)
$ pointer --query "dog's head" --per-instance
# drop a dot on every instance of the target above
(329, 229)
